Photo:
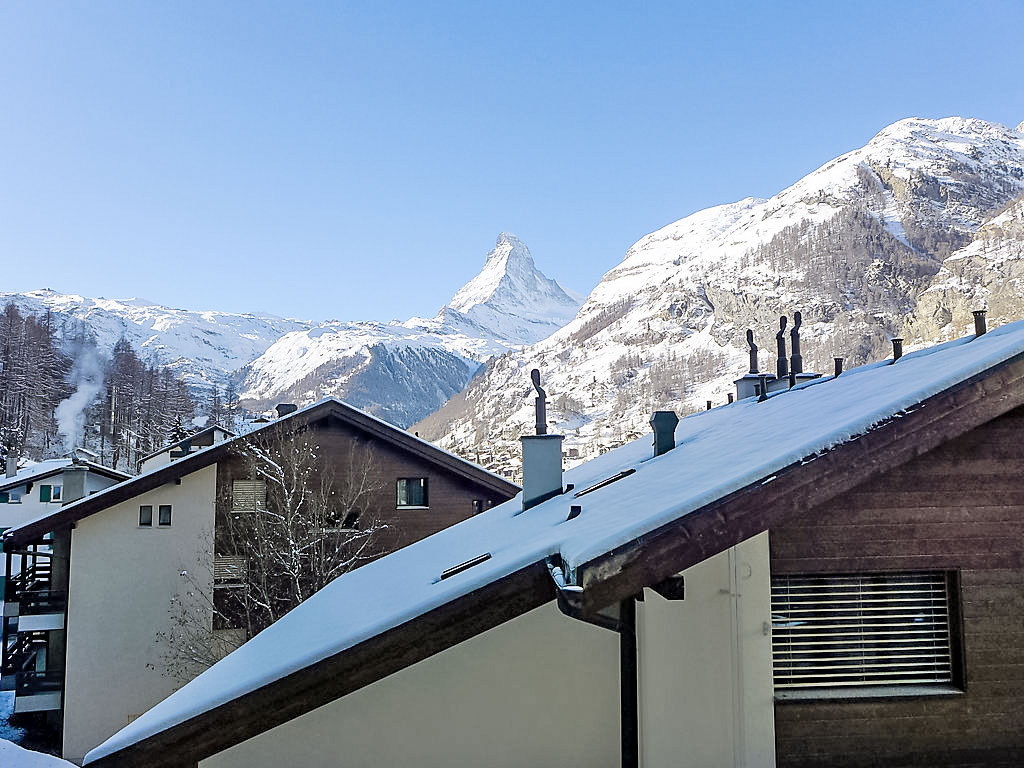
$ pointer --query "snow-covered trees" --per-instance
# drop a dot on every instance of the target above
(289, 522)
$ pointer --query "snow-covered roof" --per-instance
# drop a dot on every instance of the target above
(48, 467)
(145, 481)
(717, 452)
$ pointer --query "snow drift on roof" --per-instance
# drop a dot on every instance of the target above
(717, 452)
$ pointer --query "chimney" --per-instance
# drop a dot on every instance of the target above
(283, 409)
(664, 425)
(542, 455)
(980, 326)
(74, 477)
(796, 362)
(11, 465)
(897, 349)
(839, 365)
(782, 365)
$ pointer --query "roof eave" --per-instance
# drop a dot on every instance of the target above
(614, 576)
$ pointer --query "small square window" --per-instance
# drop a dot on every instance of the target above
(15, 497)
(55, 494)
(412, 492)
(165, 514)
(146, 516)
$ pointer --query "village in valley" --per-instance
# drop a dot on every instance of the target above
(752, 499)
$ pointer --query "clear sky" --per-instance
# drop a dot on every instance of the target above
(357, 160)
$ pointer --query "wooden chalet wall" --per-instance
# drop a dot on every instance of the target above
(959, 508)
(450, 495)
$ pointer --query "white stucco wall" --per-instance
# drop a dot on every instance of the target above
(705, 674)
(540, 690)
(543, 690)
(122, 581)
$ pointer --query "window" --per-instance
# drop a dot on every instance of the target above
(15, 497)
(230, 569)
(248, 495)
(165, 515)
(49, 492)
(855, 631)
(146, 516)
(412, 492)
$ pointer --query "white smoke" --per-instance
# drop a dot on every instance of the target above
(87, 378)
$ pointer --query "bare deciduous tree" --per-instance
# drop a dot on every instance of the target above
(292, 521)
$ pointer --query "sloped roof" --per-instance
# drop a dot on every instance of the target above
(167, 473)
(188, 439)
(51, 467)
(732, 469)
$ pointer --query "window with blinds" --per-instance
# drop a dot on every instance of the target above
(862, 630)
(248, 495)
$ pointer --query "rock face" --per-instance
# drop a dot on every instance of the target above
(901, 237)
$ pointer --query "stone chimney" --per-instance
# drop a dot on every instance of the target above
(11, 465)
(542, 455)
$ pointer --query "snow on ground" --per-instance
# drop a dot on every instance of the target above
(717, 452)
(13, 756)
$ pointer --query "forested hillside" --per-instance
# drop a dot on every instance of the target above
(58, 393)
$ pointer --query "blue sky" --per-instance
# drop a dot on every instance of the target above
(356, 161)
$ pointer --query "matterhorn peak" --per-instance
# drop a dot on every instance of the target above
(511, 297)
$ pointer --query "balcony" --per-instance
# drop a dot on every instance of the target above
(38, 691)
(41, 610)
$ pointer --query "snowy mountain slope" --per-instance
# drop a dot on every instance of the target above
(852, 245)
(404, 371)
(203, 347)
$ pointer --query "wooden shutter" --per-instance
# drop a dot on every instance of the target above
(248, 495)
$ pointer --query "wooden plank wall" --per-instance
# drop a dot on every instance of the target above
(959, 508)
(450, 496)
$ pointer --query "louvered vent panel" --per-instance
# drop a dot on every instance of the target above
(248, 495)
(229, 568)
(883, 629)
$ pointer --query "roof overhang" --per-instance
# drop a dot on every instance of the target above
(609, 578)
(331, 407)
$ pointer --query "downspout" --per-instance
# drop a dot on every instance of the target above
(568, 600)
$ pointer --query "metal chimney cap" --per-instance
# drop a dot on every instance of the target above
(283, 409)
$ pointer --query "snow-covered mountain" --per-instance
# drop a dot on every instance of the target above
(900, 237)
(202, 347)
(403, 371)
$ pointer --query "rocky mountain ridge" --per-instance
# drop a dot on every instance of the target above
(900, 237)
(401, 371)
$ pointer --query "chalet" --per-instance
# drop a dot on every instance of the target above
(126, 549)
(828, 574)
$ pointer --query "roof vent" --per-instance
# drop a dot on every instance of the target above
(542, 455)
(753, 350)
(839, 365)
(796, 361)
(782, 365)
(283, 409)
(980, 326)
(664, 425)
(897, 349)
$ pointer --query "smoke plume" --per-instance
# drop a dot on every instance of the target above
(87, 378)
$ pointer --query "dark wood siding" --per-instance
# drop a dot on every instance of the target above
(959, 508)
(451, 496)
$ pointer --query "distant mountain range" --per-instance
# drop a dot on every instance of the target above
(399, 371)
(902, 237)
